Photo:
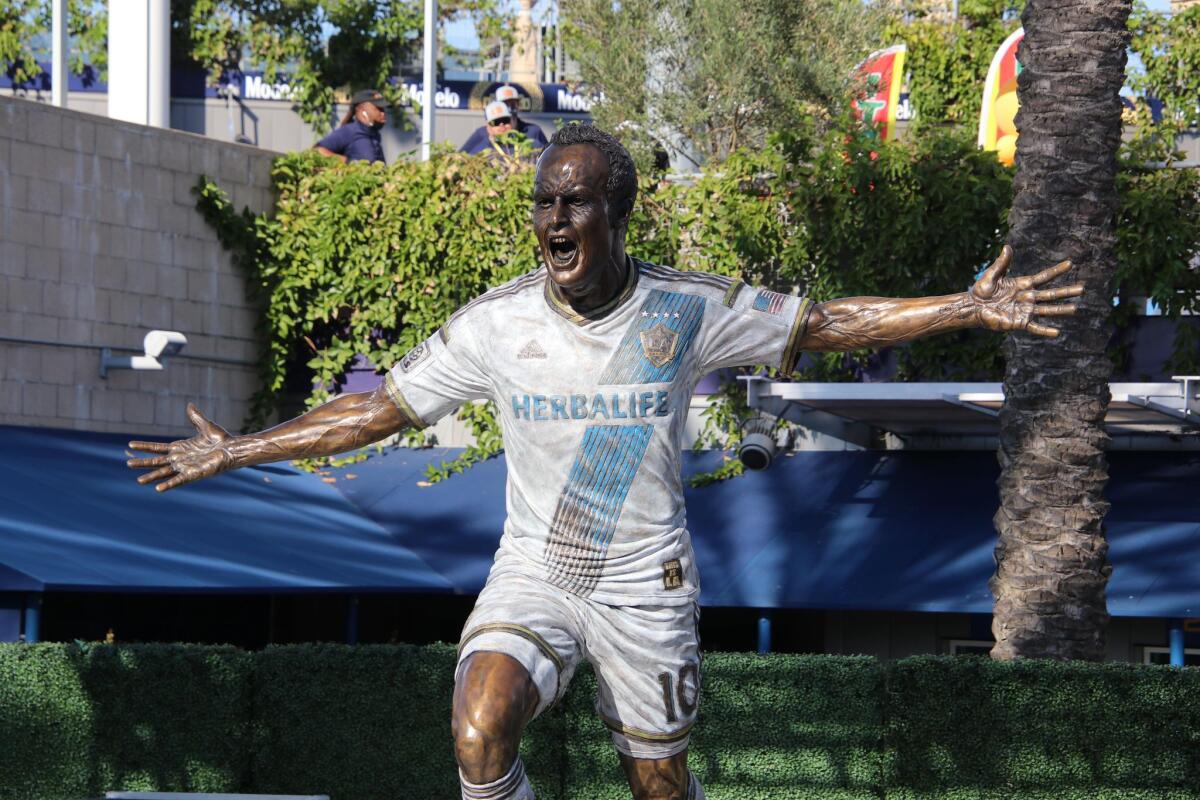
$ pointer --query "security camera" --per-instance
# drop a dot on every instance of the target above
(757, 449)
(163, 344)
(158, 346)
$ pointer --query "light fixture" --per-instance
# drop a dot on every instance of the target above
(158, 346)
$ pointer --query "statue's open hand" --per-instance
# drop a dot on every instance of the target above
(1010, 304)
(185, 460)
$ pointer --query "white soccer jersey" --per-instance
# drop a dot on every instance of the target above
(593, 410)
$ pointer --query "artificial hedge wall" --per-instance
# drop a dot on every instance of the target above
(373, 722)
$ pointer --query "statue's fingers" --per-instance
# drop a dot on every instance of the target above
(158, 474)
(987, 282)
(1042, 330)
(202, 423)
(165, 486)
(1060, 310)
(147, 463)
(1050, 273)
(1042, 295)
(151, 447)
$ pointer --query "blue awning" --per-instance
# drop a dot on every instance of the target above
(72, 518)
(900, 530)
(849, 530)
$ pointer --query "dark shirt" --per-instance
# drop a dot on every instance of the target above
(355, 141)
(478, 141)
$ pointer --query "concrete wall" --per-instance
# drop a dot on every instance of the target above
(100, 242)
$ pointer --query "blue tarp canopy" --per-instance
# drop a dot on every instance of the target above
(854, 530)
(72, 518)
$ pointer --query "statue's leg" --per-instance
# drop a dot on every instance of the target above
(647, 662)
(661, 778)
(494, 698)
(518, 651)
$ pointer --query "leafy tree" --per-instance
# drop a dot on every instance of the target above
(714, 75)
(1170, 51)
(24, 37)
(948, 59)
(1051, 558)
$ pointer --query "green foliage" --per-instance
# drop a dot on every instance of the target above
(77, 721)
(24, 37)
(1169, 47)
(373, 721)
(321, 45)
(971, 727)
(948, 60)
(721, 75)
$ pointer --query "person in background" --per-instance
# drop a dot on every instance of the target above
(357, 139)
(481, 139)
(498, 123)
(511, 97)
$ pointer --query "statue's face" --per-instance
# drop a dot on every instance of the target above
(570, 217)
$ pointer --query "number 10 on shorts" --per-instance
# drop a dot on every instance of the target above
(682, 693)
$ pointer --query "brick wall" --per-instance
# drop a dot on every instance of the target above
(100, 242)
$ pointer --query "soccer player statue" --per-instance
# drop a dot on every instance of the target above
(591, 360)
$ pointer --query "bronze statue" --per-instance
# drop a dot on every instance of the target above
(591, 360)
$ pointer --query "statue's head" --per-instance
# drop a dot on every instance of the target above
(582, 197)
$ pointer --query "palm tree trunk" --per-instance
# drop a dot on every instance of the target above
(1051, 558)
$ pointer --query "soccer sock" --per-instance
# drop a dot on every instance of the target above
(695, 790)
(513, 786)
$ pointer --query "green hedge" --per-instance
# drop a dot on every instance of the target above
(373, 722)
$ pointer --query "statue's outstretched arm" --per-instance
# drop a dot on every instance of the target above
(345, 423)
(995, 302)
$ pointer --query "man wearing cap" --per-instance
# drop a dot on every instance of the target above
(358, 137)
(481, 139)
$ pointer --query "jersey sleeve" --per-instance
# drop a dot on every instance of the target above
(754, 326)
(436, 377)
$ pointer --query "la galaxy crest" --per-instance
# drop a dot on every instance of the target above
(659, 344)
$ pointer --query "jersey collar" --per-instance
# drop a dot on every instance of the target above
(564, 308)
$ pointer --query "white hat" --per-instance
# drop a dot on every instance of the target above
(507, 92)
(496, 110)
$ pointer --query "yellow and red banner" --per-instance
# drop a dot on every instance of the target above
(880, 76)
(997, 129)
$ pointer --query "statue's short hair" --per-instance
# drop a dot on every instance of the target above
(622, 174)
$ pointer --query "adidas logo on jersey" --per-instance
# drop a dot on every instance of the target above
(532, 350)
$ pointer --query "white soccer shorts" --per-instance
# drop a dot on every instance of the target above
(646, 658)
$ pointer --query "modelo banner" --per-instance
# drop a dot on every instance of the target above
(551, 98)
(997, 126)
(879, 77)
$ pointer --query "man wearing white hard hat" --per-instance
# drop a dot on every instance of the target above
(481, 139)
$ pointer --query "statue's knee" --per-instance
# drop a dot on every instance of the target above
(484, 745)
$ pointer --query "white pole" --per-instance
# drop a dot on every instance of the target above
(427, 116)
(158, 80)
(58, 63)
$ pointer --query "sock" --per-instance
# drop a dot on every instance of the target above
(695, 790)
(513, 786)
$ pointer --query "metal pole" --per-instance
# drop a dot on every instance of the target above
(1176, 639)
(764, 632)
(58, 61)
(33, 618)
(427, 121)
(352, 620)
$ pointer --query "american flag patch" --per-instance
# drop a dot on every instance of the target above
(768, 301)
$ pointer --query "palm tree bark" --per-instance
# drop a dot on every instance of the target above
(1051, 558)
